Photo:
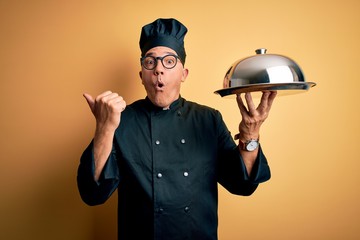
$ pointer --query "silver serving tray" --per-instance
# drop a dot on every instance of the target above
(299, 86)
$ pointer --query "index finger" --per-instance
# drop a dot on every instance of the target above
(240, 104)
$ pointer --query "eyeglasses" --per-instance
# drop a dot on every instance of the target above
(168, 61)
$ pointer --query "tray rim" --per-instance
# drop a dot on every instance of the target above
(265, 86)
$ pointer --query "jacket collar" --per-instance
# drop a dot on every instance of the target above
(173, 106)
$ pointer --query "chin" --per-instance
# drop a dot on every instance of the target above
(160, 102)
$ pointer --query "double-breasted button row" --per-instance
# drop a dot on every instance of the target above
(157, 142)
(161, 210)
(159, 175)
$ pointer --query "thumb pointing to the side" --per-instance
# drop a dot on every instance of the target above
(90, 100)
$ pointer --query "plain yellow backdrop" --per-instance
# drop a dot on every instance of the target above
(53, 51)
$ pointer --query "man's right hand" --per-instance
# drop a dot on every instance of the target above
(107, 108)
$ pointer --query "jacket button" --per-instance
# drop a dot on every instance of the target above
(186, 174)
(157, 142)
(186, 209)
(182, 141)
(159, 175)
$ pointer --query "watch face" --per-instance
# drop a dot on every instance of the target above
(252, 145)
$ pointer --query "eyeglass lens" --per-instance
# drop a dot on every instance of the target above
(168, 61)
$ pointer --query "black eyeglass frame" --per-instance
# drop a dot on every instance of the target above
(161, 59)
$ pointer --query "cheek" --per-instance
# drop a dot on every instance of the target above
(145, 78)
(176, 84)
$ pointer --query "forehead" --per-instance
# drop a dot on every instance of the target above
(160, 51)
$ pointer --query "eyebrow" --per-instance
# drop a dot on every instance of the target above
(166, 53)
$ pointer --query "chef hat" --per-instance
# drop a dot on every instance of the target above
(164, 32)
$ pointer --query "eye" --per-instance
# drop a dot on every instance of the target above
(149, 61)
(169, 60)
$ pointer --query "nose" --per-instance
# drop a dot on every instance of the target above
(159, 69)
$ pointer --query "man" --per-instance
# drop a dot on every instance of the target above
(165, 155)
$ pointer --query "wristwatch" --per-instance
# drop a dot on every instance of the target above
(249, 145)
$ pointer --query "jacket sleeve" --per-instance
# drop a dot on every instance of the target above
(233, 176)
(232, 173)
(96, 192)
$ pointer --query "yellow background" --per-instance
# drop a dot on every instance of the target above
(53, 51)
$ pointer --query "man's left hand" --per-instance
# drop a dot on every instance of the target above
(252, 116)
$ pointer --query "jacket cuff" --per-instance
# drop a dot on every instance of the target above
(261, 170)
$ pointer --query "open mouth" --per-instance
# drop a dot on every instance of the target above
(159, 84)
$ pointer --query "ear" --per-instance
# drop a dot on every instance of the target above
(140, 75)
(184, 74)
